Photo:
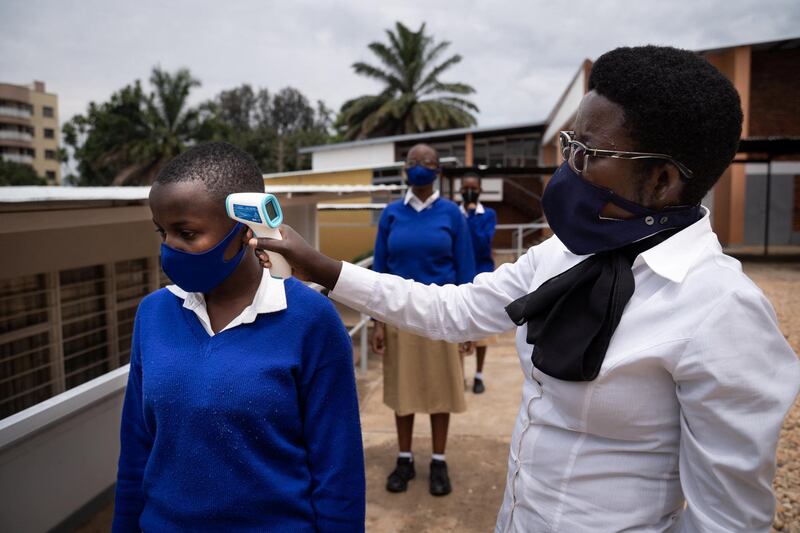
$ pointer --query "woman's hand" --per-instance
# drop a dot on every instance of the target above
(466, 348)
(307, 263)
(379, 338)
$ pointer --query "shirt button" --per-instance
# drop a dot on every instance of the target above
(649, 220)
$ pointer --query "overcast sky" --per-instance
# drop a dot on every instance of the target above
(518, 55)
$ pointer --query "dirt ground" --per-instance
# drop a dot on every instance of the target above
(479, 439)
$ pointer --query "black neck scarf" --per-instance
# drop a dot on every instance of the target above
(572, 316)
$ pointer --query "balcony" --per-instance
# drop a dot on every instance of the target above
(14, 135)
(15, 112)
(18, 158)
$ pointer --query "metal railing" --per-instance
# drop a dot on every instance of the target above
(518, 234)
(361, 327)
(18, 158)
(15, 135)
(15, 112)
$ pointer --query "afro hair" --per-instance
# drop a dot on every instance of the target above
(675, 103)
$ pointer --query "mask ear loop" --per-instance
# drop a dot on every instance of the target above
(242, 244)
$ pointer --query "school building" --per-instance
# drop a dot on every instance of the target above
(77, 261)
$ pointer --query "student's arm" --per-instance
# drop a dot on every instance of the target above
(452, 313)
(380, 254)
(735, 382)
(463, 252)
(482, 228)
(332, 429)
(135, 445)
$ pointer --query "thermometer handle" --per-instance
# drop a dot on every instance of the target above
(280, 267)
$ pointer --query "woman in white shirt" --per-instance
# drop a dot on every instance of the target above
(656, 377)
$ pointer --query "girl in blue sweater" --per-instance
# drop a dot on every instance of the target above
(424, 238)
(241, 412)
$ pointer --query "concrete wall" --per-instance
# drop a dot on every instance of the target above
(50, 472)
(40, 143)
(368, 156)
(52, 240)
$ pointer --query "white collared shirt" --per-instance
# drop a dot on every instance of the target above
(686, 410)
(418, 205)
(270, 297)
(479, 209)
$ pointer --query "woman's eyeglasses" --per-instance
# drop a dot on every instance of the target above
(577, 154)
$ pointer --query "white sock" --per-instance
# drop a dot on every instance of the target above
(479, 375)
(437, 457)
(406, 455)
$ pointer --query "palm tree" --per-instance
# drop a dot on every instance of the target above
(169, 124)
(414, 99)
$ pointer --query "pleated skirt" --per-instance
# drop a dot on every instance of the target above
(421, 375)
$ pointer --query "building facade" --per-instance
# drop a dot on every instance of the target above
(767, 77)
(29, 128)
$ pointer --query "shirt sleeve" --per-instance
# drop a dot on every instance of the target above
(452, 313)
(380, 254)
(735, 382)
(332, 431)
(136, 442)
(482, 228)
(463, 252)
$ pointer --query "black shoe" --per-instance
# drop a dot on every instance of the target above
(478, 387)
(402, 474)
(440, 481)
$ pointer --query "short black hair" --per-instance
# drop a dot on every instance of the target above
(222, 168)
(472, 174)
(675, 103)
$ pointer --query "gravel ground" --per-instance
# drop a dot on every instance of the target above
(781, 284)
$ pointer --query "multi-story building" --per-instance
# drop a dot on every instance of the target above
(29, 130)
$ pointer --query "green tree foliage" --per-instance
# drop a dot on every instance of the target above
(18, 174)
(126, 140)
(414, 99)
(269, 127)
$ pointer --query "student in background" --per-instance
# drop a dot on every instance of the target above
(241, 411)
(424, 238)
(481, 221)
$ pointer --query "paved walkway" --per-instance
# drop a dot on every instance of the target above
(477, 452)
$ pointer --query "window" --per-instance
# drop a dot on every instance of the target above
(49, 154)
(47, 111)
(49, 133)
(51, 175)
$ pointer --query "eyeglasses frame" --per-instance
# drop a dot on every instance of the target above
(567, 140)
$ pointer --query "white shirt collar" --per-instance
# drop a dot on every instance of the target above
(479, 210)
(418, 204)
(673, 258)
(269, 298)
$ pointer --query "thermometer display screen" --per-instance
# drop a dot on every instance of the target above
(271, 212)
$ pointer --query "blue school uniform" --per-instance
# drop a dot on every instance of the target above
(482, 221)
(429, 245)
(255, 428)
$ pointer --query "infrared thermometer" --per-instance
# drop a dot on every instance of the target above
(262, 213)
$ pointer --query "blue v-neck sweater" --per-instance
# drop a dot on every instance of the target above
(253, 429)
(429, 246)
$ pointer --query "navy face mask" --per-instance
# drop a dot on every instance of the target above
(572, 206)
(421, 175)
(203, 271)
